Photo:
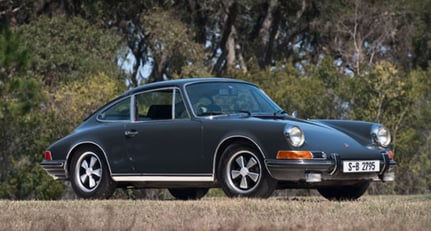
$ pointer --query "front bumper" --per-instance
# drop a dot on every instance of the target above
(325, 169)
(55, 168)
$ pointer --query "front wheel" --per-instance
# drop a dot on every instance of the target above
(242, 173)
(344, 193)
(90, 175)
(188, 193)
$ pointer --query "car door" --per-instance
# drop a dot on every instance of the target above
(110, 135)
(164, 140)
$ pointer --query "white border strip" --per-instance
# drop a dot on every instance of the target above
(164, 178)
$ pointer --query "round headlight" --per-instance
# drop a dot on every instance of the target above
(294, 135)
(381, 135)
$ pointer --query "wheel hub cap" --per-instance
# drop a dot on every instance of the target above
(89, 172)
(245, 172)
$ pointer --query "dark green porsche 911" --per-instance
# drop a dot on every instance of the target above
(190, 135)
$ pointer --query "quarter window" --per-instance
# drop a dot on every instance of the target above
(119, 111)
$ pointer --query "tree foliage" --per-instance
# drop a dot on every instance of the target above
(170, 45)
(44, 95)
(21, 94)
(72, 102)
(66, 49)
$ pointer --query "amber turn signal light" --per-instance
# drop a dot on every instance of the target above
(294, 155)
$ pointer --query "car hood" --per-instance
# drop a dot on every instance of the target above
(344, 137)
(340, 137)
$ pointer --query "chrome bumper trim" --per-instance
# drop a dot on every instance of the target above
(55, 168)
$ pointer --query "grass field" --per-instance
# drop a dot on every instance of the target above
(291, 213)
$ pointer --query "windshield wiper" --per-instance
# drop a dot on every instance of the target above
(246, 112)
(279, 114)
(211, 113)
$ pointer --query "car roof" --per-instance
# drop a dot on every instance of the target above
(168, 83)
(179, 83)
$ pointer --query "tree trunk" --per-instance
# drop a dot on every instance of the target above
(267, 33)
(226, 41)
(159, 69)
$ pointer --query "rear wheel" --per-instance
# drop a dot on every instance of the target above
(188, 193)
(242, 173)
(90, 176)
(344, 193)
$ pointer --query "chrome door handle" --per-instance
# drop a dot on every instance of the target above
(131, 133)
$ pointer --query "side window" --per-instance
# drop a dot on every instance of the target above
(157, 105)
(119, 111)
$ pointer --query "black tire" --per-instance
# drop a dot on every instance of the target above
(242, 173)
(188, 193)
(89, 175)
(344, 193)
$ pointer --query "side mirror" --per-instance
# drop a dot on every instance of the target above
(294, 114)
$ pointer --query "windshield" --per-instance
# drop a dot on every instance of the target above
(227, 98)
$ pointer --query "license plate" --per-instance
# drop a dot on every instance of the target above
(361, 166)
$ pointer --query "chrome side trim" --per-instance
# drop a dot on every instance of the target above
(85, 142)
(232, 137)
(173, 103)
(132, 108)
(163, 178)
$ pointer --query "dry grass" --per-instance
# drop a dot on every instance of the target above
(292, 213)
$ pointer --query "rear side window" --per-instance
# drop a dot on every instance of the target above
(119, 111)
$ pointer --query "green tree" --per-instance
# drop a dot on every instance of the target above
(420, 24)
(66, 49)
(21, 94)
(414, 138)
(72, 102)
(65, 74)
(171, 46)
(312, 93)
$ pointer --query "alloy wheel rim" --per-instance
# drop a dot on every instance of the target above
(88, 172)
(244, 171)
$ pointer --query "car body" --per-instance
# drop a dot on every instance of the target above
(190, 135)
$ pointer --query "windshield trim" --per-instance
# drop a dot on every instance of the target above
(276, 108)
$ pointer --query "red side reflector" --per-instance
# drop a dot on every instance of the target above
(48, 155)
(294, 155)
(391, 154)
